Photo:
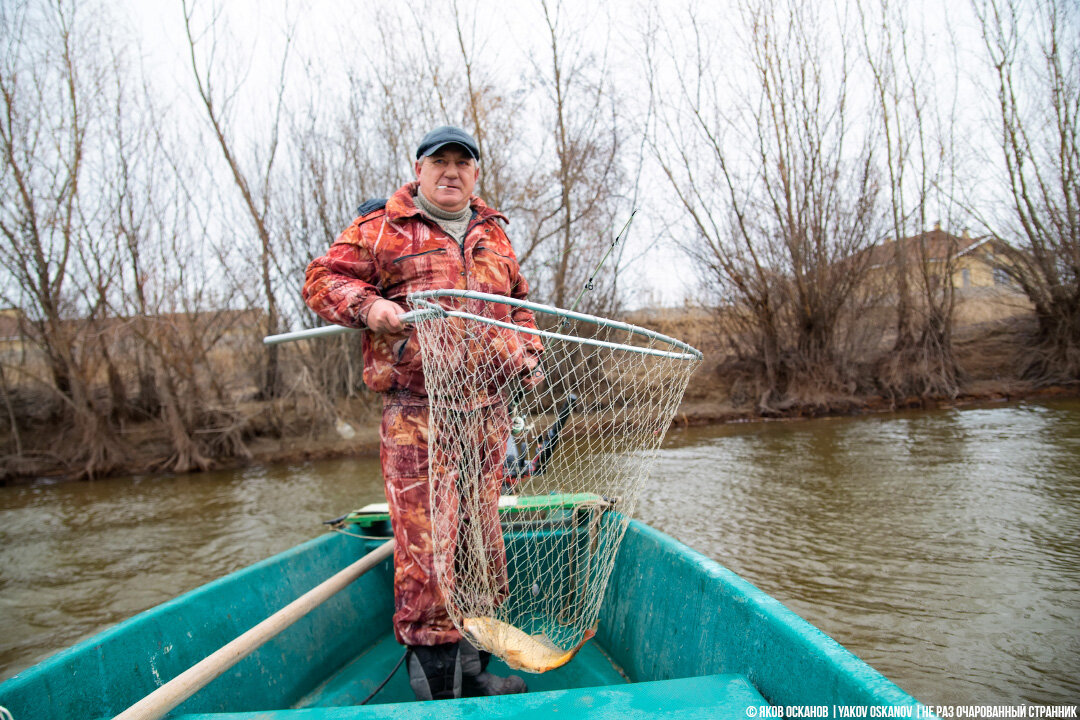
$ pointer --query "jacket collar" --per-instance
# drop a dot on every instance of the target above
(401, 206)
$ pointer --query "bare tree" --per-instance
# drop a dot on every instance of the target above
(917, 164)
(50, 82)
(498, 116)
(1037, 77)
(12, 418)
(463, 85)
(254, 185)
(332, 176)
(175, 321)
(107, 255)
(781, 191)
(570, 225)
(549, 147)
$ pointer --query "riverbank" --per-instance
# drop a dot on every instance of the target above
(988, 355)
(330, 445)
(987, 346)
(694, 413)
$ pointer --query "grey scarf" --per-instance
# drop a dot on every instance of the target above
(454, 223)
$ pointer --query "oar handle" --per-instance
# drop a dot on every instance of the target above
(189, 682)
(330, 330)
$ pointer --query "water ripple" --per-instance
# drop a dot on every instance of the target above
(941, 547)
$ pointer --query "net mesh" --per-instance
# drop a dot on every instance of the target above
(563, 425)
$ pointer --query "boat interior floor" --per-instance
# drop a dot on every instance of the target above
(589, 685)
(359, 677)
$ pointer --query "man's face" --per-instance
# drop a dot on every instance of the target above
(447, 177)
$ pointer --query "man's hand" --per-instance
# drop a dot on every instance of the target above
(384, 317)
(533, 375)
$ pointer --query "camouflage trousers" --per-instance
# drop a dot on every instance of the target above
(420, 613)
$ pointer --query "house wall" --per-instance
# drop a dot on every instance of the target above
(979, 269)
(12, 346)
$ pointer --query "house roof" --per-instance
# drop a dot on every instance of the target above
(937, 244)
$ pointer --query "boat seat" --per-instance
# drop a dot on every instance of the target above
(716, 697)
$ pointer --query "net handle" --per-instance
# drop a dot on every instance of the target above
(333, 330)
(432, 311)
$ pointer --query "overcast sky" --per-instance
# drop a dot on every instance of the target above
(324, 30)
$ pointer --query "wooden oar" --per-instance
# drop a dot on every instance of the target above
(189, 682)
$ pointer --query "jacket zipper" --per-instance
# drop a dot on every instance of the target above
(395, 261)
(477, 221)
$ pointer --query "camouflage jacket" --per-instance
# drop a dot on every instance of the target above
(393, 251)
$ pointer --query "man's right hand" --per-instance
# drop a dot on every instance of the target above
(384, 317)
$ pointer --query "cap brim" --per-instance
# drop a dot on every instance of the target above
(439, 146)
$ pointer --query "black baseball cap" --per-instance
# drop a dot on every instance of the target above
(447, 135)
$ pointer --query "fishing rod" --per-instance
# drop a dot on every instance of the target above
(518, 465)
(590, 283)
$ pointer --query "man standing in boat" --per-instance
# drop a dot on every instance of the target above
(431, 234)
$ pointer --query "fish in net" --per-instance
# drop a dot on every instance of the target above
(540, 440)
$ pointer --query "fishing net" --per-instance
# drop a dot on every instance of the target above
(539, 443)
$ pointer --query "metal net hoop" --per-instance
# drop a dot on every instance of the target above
(544, 424)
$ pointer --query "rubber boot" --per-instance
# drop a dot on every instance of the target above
(476, 681)
(435, 671)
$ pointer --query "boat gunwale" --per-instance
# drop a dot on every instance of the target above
(852, 674)
(119, 628)
(850, 678)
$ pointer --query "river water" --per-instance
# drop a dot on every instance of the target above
(943, 548)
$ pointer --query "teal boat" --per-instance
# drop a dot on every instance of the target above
(678, 636)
